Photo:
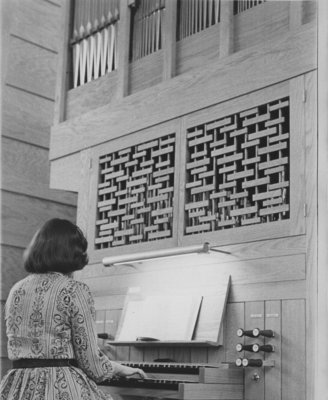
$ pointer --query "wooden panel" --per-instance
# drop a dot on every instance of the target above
(261, 24)
(36, 21)
(56, 2)
(200, 355)
(254, 318)
(268, 248)
(181, 277)
(12, 268)
(318, 386)
(136, 353)
(293, 367)
(316, 201)
(238, 293)
(151, 354)
(22, 172)
(32, 68)
(268, 291)
(197, 50)
(146, 72)
(92, 95)
(295, 14)
(182, 354)
(64, 173)
(259, 68)
(26, 117)
(22, 216)
(169, 45)
(83, 205)
(309, 11)
(62, 67)
(298, 152)
(273, 375)
(6, 17)
(226, 28)
(235, 319)
(123, 45)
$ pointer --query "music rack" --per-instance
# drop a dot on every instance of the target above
(207, 331)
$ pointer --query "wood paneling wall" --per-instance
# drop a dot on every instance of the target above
(29, 45)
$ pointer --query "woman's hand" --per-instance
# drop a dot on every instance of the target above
(125, 371)
(128, 371)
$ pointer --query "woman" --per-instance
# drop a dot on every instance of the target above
(50, 321)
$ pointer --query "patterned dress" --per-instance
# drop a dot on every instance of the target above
(52, 316)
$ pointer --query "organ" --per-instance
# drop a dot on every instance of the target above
(185, 122)
(180, 381)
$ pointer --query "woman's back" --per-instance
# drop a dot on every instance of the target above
(50, 321)
(38, 316)
(48, 317)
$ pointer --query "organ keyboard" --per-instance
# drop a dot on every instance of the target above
(180, 381)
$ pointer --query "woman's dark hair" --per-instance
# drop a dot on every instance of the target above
(59, 246)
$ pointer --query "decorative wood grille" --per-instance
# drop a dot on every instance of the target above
(135, 194)
(237, 171)
(243, 5)
(147, 26)
(196, 15)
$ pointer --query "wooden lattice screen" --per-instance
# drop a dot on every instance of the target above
(135, 194)
(237, 171)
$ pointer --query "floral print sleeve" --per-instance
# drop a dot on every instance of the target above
(84, 336)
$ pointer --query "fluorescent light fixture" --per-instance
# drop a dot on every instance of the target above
(162, 253)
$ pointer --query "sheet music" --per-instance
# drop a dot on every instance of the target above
(160, 317)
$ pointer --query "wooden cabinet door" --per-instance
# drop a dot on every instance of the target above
(243, 170)
(134, 192)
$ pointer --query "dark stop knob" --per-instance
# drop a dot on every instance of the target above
(267, 348)
(265, 332)
(252, 362)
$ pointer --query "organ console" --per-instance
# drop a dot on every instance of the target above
(180, 381)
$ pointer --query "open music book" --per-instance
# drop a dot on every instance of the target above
(159, 317)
